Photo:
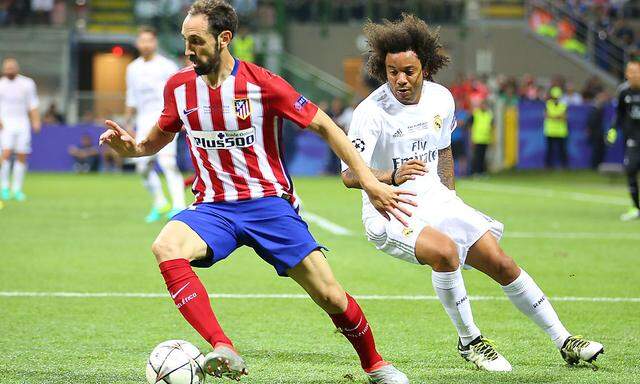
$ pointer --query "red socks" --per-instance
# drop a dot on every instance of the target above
(354, 326)
(192, 300)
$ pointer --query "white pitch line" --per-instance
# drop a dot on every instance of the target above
(297, 296)
(572, 235)
(326, 224)
(546, 193)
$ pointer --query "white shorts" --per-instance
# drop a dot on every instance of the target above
(147, 163)
(16, 139)
(446, 213)
(144, 123)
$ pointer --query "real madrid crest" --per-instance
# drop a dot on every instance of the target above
(242, 107)
(437, 122)
(406, 231)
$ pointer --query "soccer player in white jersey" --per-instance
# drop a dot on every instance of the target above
(403, 132)
(18, 116)
(146, 77)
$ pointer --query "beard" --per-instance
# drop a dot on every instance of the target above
(211, 66)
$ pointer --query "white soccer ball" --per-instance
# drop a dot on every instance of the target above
(175, 362)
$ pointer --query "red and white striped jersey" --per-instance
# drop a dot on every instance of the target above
(234, 131)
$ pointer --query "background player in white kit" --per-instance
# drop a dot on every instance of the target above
(403, 132)
(146, 77)
(18, 115)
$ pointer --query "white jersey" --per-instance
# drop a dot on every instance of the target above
(17, 98)
(145, 85)
(388, 133)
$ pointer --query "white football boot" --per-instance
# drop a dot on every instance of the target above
(224, 361)
(387, 374)
(482, 353)
(576, 349)
(631, 214)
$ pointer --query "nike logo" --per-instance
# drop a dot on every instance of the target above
(187, 112)
(179, 290)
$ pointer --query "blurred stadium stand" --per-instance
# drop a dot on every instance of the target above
(507, 51)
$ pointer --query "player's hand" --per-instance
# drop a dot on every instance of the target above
(612, 136)
(118, 139)
(37, 128)
(409, 171)
(389, 201)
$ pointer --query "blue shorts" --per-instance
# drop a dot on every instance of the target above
(270, 225)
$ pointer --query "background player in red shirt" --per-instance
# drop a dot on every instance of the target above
(243, 193)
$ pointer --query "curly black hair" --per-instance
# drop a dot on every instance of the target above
(220, 15)
(407, 34)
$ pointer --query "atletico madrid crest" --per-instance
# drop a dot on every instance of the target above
(243, 108)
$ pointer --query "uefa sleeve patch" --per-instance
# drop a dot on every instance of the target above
(300, 103)
(359, 144)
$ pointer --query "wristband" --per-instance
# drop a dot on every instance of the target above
(393, 178)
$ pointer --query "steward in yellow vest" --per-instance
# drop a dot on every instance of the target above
(244, 46)
(481, 137)
(556, 128)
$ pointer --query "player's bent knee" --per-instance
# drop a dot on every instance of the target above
(442, 257)
(333, 299)
(165, 250)
(506, 269)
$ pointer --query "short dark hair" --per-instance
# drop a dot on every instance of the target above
(220, 15)
(147, 29)
(407, 34)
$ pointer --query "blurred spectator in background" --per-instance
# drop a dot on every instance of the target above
(112, 162)
(571, 96)
(459, 144)
(529, 89)
(52, 116)
(556, 129)
(595, 131)
(86, 156)
(243, 45)
(344, 119)
(41, 11)
(481, 123)
(592, 88)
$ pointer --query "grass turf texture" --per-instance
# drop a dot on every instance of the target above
(86, 234)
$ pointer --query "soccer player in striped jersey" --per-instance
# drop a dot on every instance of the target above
(232, 111)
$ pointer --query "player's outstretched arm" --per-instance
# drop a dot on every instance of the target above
(125, 145)
(407, 171)
(384, 198)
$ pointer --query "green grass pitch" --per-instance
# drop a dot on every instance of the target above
(86, 234)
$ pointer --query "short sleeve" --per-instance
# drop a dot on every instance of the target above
(364, 132)
(33, 96)
(130, 98)
(449, 123)
(169, 120)
(289, 103)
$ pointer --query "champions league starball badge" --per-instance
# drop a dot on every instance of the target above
(358, 144)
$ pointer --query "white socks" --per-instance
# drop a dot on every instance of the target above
(154, 186)
(525, 294)
(175, 182)
(5, 172)
(450, 289)
(19, 170)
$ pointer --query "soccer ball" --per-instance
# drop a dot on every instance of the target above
(175, 362)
